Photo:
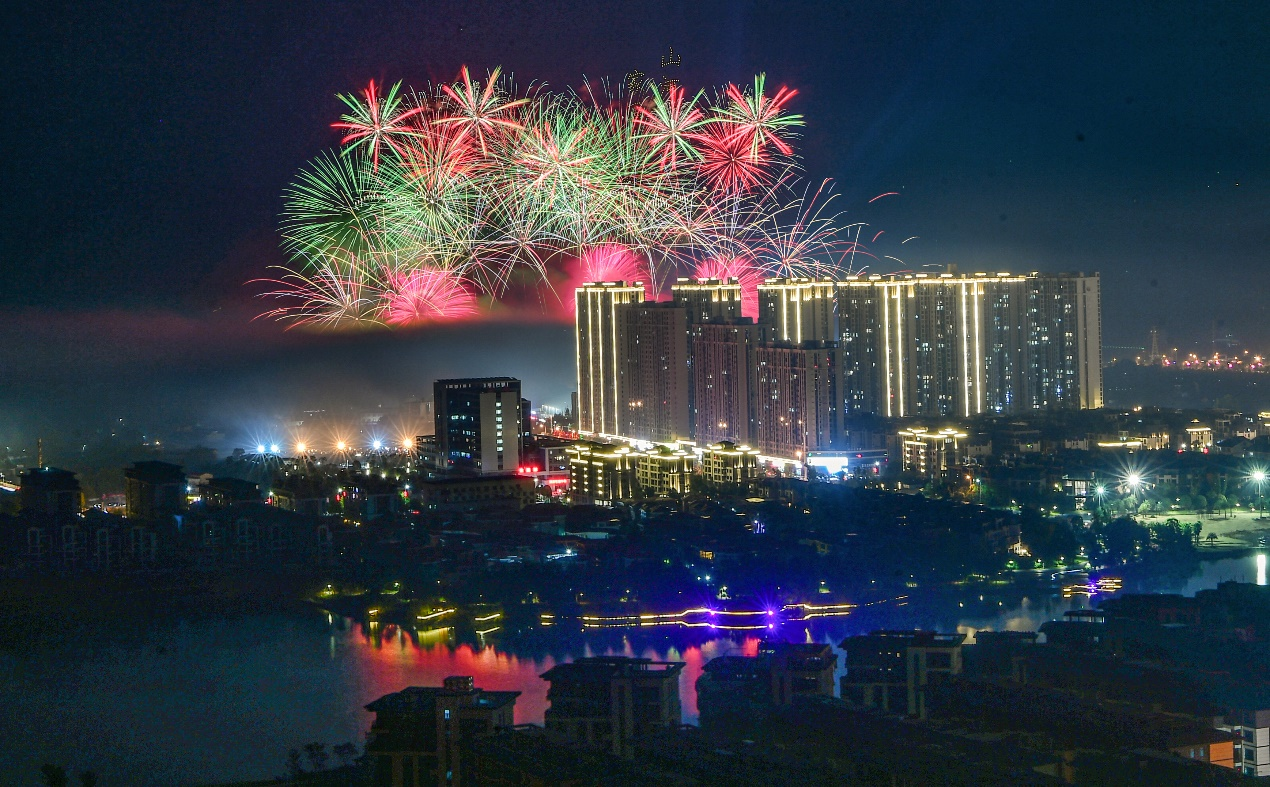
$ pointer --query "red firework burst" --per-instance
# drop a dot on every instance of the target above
(377, 121)
(729, 164)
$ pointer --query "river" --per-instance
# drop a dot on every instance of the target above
(224, 699)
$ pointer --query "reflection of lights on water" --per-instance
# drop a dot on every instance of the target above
(1261, 569)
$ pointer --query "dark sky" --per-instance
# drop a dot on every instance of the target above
(148, 143)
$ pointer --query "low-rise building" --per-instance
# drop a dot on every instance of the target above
(601, 473)
(664, 471)
(610, 702)
(444, 493)
(48, 490)
(154, 490)
(931, 454)
(421, 734)
(727, 463)
(890, 670)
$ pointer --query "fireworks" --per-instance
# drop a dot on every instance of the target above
(441, 196)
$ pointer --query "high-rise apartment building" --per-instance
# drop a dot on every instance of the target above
(707, 300)
(931, 345)
(600, 357)
(654, 375)
(797, 402)
(478, 424)
(958, 345)
(1064, 343)
(723, 381)
(799, 310)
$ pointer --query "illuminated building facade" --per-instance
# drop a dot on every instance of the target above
(600, 355)
(1064, 342)
(706, 300)
(478, 424)
(797, 404)
(799, 310)
(728, 463)
(958, 345)
(654, 378)
(601, 474)
(664, 471)
(722, 380)
(931, 454)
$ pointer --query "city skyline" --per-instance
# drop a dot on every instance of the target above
(1117, 171)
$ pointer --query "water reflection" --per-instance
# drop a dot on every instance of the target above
(224, 699)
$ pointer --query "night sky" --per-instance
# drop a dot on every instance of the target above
(148, 145)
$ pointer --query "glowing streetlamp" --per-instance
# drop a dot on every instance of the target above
(273, 448)
(301, 448)
(1259, 478)
(341, 446)
(260, 449)
(407, 444)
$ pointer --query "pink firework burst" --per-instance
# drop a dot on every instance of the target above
(612, 262)
(605, 262)
(734, 267)
(426, 295)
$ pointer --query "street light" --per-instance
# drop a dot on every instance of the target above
(301, 448)
(1259, 478)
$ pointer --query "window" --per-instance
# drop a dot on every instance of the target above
(447, 714)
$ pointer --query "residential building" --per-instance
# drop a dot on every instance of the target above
(799, 310)
(890, 670)
(931, 454)
(708, 300)
(600, 473)
(610, 702)
(950, 344)
(153, 490)
(664, 471)
(728, 463)
(797, 405)
(421, 735)
(478, 424)
(601, 355)
(222, 492)
(723, 380)
(653, 360)
(48, 490)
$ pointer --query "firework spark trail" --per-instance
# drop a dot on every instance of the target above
(466, 189)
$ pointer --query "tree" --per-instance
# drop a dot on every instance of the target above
(1199, 503)
(1199, 528)
(54, 775)
(1220, 503)
(88, 779)
(295, 763)
(316, 752)
(345, 753)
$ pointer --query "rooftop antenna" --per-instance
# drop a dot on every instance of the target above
(39, 452)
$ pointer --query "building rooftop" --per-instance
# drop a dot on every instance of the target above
(155, 473)
(604, 667)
